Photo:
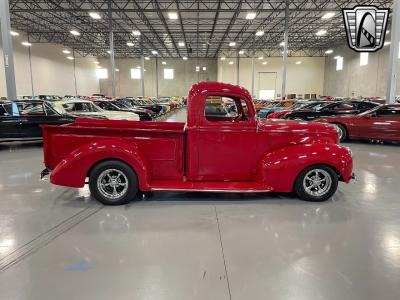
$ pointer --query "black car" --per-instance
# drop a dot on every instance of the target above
(326, 109)
(114, 105)
(20, 120)
(142, 104)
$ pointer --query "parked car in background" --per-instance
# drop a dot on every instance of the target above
(131, 102)
(21, 119)
(331, 109)
(380, 123)
(115, 105)
(303, 104)
(87, 109)
(275, 106)
(220, 153)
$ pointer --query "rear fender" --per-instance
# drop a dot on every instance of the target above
(279, 169)
(75, 167)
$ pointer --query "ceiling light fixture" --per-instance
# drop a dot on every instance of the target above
(223, 58)
(70, 57)
(181, 44)
(154, 52)
(264, 63)
(241, 52)
(197, 68)
(95, 15)
(108, 51)
(130, 44)
(329, 51)
(136, 33)
(164, 63)
(260, 33)
(204, 68)
(231, 62)
(232, 44)
(147, 58)
(172, 15)
(116, 70)
(321, 32)
(251, 16)
(14, 33)
(328, 15)
(185, 58)
(26, 44)
(75, 32)
(282, 44)
(65, 51)
(298, 62)
(261, 57)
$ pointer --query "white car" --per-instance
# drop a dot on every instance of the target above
(85, 108)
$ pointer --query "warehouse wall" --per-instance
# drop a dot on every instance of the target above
(355, 80)
(52, 72)
(185, 76)
(307, 77)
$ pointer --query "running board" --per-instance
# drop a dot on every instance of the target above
(210, 186)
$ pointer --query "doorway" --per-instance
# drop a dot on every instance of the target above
(267, 85)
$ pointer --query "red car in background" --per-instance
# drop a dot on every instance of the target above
(297, 105)
(379, 123)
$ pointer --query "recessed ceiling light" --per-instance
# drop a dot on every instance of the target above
(172, 15)
(298, 62)
(181, 44)
(223, 58)
(241, 52)
(251, 15)
(27, 44)
(328, 15)
(204, 68)
(329, 51)
(231, 62)
(14, 33)
(136, 33)
(321, 32)
(386, 43)
(130, 44)
(164, 63)
(95, 15)
(232, 44)
(65, 51)
(154, 52)
(261, 57)
(260, 33)
(74, 32)
(70, 57)
(184, 58)
(264, 63)
(147, 58)
(116, 70)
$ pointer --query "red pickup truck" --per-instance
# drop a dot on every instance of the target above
(223, 147)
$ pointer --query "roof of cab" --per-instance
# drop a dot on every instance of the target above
(217, 86)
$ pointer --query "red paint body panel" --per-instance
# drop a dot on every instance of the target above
(368, 126)
(249, 155)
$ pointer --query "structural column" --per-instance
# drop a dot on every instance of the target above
(7, 49)
(157, 77)
(393, 54)
(237, 67)
(112, 62)
(142, 65)
(285, 51)
(252, 70)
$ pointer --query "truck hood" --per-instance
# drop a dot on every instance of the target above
(299, 131)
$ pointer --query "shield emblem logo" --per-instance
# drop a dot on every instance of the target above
(365, 27)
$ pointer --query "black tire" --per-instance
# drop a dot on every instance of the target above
(342, 130)
(303, 194)
(98, 183)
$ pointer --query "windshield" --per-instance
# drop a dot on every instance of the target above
(81, 107)
(370, 111)
(119, 104)
(315, 106)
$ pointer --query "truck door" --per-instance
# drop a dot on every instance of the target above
(226, 139)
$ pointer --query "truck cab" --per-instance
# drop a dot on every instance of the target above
(222, 147)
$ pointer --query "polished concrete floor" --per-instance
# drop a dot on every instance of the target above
(57, 243)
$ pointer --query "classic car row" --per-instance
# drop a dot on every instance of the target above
(21, 119)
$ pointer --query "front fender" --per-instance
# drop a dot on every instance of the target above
(74, 168)
(279, 169)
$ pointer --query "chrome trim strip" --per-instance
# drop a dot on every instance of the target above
(211, 190)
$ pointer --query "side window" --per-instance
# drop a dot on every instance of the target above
(225, 109)
(344, 106)
(393, 112)
(32, 109)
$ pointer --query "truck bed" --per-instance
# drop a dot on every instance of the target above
(162, 143)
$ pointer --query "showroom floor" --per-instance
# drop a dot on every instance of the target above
(56, 243)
